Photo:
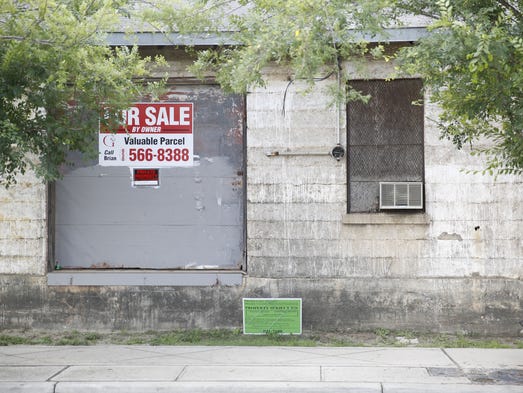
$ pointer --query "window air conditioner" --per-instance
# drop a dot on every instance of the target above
(401, 195)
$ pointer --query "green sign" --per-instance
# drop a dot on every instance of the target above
(263, 316)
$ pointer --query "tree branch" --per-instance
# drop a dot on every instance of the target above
(20, 38)
(517, 13)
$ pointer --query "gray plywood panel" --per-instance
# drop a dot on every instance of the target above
(149, 246)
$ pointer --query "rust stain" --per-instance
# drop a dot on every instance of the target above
(235, 134)
(101, 265)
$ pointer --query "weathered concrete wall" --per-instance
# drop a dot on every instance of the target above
(23, 227)
(458, 267)
(480, 305)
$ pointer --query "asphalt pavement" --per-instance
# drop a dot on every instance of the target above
(198, 369)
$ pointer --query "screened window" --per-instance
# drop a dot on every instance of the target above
(385, 139)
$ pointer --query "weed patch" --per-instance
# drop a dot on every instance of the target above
(235, 337)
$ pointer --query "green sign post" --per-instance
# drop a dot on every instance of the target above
(264, 316)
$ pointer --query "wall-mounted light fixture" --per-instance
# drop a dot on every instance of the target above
(338, 152)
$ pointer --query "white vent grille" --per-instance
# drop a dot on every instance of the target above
(401, 195)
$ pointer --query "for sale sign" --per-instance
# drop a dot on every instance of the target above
(152, 135)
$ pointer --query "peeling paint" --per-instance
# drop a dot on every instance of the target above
(450, 236)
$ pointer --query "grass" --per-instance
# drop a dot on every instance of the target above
(462, 341)
(226, 337)
(77, 338)
(8, 339)
(235, 337)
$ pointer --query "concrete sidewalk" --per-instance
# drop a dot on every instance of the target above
(144, 369)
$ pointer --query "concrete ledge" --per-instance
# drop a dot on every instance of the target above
(144, 278)
(386, 219)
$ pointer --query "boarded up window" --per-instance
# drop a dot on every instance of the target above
(385, 139)
(193, 220)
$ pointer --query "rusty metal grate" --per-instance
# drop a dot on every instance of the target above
(385, 139)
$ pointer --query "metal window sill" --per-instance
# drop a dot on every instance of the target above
(144, 278)
(386, 219)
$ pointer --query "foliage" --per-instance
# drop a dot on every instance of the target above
(472, 62)
(56, 71)
(307, 37)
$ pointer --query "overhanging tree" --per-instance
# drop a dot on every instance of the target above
(56, 72)
(472, 61)
(56, 69)
(307, 36)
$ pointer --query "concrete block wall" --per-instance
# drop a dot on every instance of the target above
(476, 220)
(294, 202)
(23, 227)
